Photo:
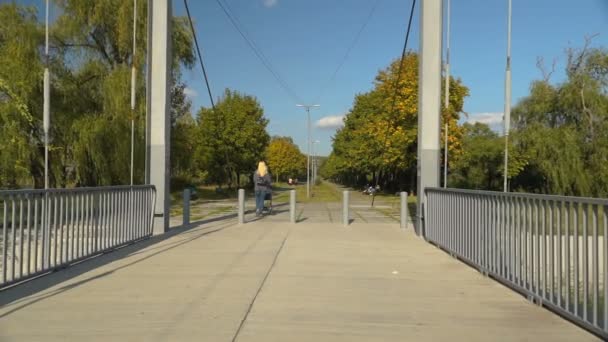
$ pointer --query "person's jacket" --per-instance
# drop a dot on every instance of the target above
(262, 183)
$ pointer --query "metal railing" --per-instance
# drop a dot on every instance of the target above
(43, 230)
(551, 248)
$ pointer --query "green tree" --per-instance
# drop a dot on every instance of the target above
(285, 159)
(231, 138)
(90, 49)
(480, 166)
(560, 128)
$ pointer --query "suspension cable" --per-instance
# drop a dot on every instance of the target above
(200, 56)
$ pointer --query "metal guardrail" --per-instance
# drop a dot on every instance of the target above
(553, 249)
(43, 230)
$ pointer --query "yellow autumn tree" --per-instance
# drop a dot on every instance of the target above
(380, 135)
(285, 159)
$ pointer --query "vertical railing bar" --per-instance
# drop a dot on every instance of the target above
(114, 218)
(585, 263)
(61, 229)
(575, 227)
(500, 230)
(55, 228)
(507, 237)
(94, 223)
(89, 228)
(35, 228)
(595, 262)
(526, 231)
(518, 242)
(28, 268)
(567, 256)
(558, 225)
(76, 226)
(490, 233)
(551, 252)
(4, 239)
(124, 221)
(543, 225)
(479, 218)
(85, 224)
(482, 234)
(142, 214)
(119, 225)
(72, 227)
(14, 239)
(537, 248)
(103, 221)
(136, 213)
(605, 255)
(21, 236)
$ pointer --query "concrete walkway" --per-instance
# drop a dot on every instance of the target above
(271, 281)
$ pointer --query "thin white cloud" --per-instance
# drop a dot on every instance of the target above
(190, 92)
(331, 122)
(270, 3)
(489, 119)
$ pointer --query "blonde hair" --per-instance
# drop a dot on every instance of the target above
(262, 169)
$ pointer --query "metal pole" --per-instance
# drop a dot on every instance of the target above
(46, 100)
(308, 143)
(447, 98)
(308, 154)
(241, 209)
(292, 206)
(345, 215)
(507, 117)
(148, 92)
(186, 210)
(404, 214)
(46, 125)
(133, 79)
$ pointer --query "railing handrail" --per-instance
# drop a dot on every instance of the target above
(557, 198)
(77, 190)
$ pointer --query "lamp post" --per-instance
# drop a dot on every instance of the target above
(308, 143)
(507, 116)
(314, 162)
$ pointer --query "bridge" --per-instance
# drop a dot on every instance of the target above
(276, 281)
(481, 272)
(106, 264)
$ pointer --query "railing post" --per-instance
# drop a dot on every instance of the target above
(345, 216)
(292, 206)
(241, 208)
(404, 214)
(186, 210)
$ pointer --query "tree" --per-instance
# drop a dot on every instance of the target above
(20, 86)
(480, 166)
(90, 59)
(285, 159)
(561, 128)
(380, 133)
(232, 138)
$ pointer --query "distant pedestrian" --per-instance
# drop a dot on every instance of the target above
(263, 186)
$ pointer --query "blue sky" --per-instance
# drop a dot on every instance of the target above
(306, 40)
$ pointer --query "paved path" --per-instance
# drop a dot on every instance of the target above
(271, 281)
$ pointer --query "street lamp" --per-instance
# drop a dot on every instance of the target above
(307, 107)
(314, 162)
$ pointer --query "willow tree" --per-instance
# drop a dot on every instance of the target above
(90, 59)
